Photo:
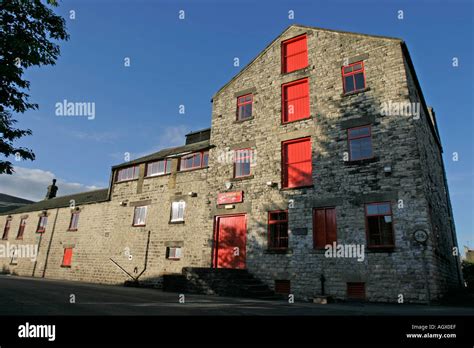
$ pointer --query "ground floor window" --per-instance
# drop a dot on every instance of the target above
(278, 229)
(378, 217)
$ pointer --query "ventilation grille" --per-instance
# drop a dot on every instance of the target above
(356, 291)
(282, 287)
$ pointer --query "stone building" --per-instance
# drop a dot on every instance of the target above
(321, 174)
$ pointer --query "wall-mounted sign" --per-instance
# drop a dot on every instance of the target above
(230, 197)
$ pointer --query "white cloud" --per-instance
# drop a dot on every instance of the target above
(32, 184)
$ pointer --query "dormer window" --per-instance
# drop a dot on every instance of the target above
(125, 174)
(194, 161)
(158, 168)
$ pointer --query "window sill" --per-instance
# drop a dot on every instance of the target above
(138, 225)
(242, 178)
(296, 187)
(156, 176)
(362, 161)
(310, 117)
(244, 120)
(123, 181)
(21, 238)
(72, 229)
(355, 92)
(278, 251)
(40, 231)
(66, 266)
(173, 259)
(177, 222)
(5, 238)
(191, 170)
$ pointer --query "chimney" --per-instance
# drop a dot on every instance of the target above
(52, 189)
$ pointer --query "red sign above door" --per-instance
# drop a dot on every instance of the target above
(230, 197)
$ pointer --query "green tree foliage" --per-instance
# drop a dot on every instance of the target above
(29, 32)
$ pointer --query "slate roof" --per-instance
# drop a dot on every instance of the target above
(166, 153)
(63, 201)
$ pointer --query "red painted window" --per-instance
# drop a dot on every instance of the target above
(125, 174)
(294, 54)
(67, 257)
(243, 159)
(360, 142)
(158, 168)
(324, 227)
(139, 216)
(297, 166)
(43, 220)
(6, 229)
(195, 160)
(278, 229)
(74, 221)
(353, 77)
(295, 100)
(244, 107)
(21, 229)
(379, 225)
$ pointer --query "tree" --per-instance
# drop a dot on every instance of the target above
(29, 31)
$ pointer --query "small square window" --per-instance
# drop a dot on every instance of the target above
(173, 253)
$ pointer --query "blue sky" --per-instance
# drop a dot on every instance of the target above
(176, 62)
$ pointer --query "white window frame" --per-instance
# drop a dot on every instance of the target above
(176, 208)
(138, 219)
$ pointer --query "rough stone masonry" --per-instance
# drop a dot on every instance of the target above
(318, 103)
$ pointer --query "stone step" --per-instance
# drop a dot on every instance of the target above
(220, 281)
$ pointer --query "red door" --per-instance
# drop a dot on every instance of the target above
(231, 237)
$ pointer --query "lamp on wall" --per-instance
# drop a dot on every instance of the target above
(228, 185)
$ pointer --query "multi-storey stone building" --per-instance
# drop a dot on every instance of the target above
(323, 139)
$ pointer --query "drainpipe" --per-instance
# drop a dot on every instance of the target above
(50, 243)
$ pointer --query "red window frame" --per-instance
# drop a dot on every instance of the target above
(71, 227)
(21, 229)
(285, 100)
(246, 157)
(67, 257)
(242, 102)
(367, 215)
(6, 229)
(285, 56)
(42, 225)
(203, 154)
(352, 73)
(136, 170)
(167, 168)
(328, 239)
(284, 161)
(281, 242)
(350, 138)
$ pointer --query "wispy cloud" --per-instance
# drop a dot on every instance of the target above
(100, 137)
(32, 184)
